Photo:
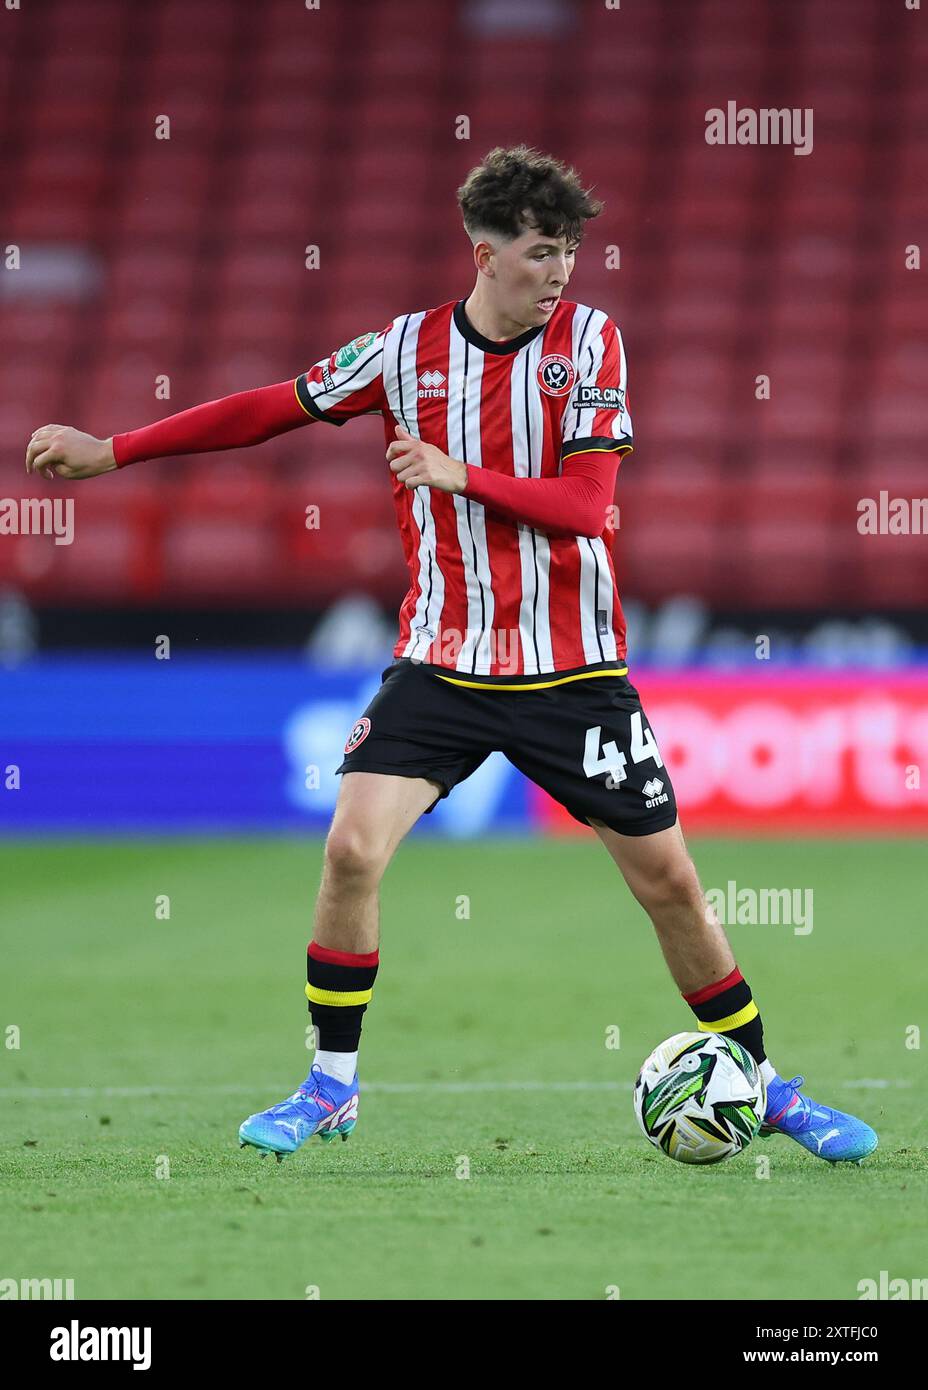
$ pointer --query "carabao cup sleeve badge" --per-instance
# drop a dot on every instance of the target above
(352, 351)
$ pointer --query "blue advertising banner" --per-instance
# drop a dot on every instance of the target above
(207, 744)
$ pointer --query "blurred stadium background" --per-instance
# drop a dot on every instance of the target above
(132, 260)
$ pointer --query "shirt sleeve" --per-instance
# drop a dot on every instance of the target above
(232, 422)
(347, 383)
(573, 504)
(596, 418)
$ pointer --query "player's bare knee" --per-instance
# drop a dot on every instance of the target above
(353, 855)
(675, 886)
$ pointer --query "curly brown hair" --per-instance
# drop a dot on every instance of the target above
(510, 183)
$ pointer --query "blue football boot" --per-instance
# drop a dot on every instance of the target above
(320, 1106)
(827, 1133)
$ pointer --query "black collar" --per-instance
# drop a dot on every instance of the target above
(467, 330)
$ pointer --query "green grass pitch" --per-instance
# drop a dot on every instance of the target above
(144, 1042)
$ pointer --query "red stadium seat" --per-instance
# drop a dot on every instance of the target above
(734, 262)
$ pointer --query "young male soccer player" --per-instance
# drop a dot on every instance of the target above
(505, 415)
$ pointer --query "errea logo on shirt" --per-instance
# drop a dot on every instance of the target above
(432, 384)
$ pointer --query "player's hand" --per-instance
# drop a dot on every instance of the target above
(423, 465)
(69, 453)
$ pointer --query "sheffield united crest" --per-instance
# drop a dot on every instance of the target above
(358, 734)
(556, 374)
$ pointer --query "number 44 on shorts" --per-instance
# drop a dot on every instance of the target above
(607, 758)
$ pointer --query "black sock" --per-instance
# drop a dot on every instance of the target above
(727, 1007)
(339, 987)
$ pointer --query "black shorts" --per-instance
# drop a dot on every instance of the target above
(586, 743)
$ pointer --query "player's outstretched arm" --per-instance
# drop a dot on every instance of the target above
(232, 422)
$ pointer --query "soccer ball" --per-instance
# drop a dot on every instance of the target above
(700, 1097)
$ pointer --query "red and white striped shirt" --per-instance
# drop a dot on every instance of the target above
(489, 596)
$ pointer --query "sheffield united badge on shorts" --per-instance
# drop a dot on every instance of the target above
(358, 734)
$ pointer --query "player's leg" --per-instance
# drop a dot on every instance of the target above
(590, 746)
(662, 876)
(415, 741)
(373, 812)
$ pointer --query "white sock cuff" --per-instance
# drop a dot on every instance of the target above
(340, 1065)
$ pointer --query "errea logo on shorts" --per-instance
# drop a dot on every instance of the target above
(653, 790)
(432, 384)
